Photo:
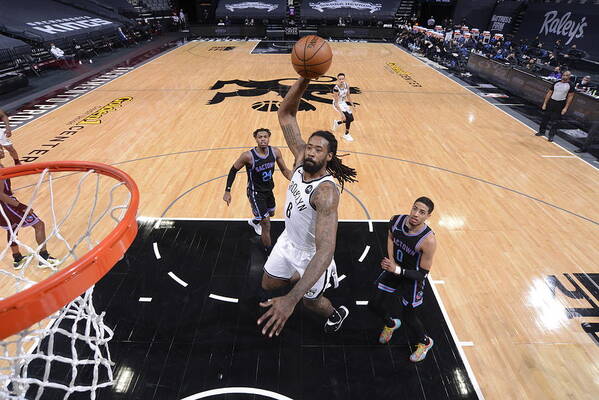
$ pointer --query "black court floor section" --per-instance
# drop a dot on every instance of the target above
(273, 47)
(184, 341)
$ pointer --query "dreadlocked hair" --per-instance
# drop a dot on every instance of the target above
(335, 167)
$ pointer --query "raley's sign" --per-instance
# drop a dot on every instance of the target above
(572, 24)
(563, 26)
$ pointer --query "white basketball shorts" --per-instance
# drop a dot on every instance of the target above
(344, 107)
(285, 259)
(4, 141)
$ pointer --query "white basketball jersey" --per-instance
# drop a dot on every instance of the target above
(300, 216)
(342, 90)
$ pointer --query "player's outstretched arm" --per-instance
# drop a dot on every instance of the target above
(325, 200)
(287, 118)
(4, 118)
(287, 173)
(244, 159)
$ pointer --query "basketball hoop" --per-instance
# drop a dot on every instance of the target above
(36, 305)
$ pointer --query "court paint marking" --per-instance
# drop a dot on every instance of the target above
(559, 156)
(223, 298)
(454, 335)
(237, 390)
(364, 253)
(177, 279)
(156, 252)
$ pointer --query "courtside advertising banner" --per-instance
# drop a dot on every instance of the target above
(504, 14)
(572, 24)
(252, 9)
(328, 9)
(47, 21)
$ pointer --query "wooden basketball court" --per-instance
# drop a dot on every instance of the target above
(516, 217)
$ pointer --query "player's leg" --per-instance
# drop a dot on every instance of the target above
(320, 305)
(348, 120)
(413, 322)
(13, 153)
(265, 235)
(255, 221)
(40, 238)
(18, 259)
(384, 292)
(269, 205)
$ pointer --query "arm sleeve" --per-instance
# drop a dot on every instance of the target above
(414, 275)
(230, 179)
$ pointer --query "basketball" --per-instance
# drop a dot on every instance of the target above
(311, 56)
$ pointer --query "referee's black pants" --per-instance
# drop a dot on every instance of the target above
(552, 115)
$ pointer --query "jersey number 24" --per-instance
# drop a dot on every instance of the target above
(266, 176)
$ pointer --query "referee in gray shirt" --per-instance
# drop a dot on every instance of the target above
(557, 101)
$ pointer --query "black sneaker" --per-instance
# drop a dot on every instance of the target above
(53, 262)
(539, 134)
(330, 326)
(19, 261)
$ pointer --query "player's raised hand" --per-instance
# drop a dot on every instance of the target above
(227, 198)
(276, 316)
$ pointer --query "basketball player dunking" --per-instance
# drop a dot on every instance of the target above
(303, 254)
(343, 104)
(14, 213)
(260, 165)
(411, 245)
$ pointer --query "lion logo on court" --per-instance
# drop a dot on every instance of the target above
(317, 92)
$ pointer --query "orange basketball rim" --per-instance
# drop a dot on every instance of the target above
(31, 305)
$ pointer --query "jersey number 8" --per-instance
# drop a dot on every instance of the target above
(288, 211)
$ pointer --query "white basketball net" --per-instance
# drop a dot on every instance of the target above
(73, 342)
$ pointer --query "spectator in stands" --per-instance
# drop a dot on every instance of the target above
(67, 59)
(80, 52)
(584, 85)
(511, 58)
(431, 22)
(558, 47)
(555, 105)
(124, 39)
(5, 142)
(531, 65)
(556, 74)
(182, 19)
(552, 59)
(575, 54)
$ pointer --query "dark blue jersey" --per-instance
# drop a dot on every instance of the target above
(261, 170)
(406, 254)
(405, 245)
